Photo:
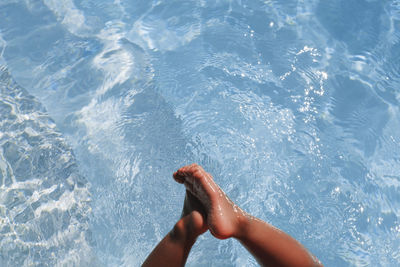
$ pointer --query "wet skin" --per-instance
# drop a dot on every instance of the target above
(207, 207)
(223, 216)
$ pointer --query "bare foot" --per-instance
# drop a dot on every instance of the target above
(223, 216)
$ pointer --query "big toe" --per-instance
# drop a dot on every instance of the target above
(178, 177)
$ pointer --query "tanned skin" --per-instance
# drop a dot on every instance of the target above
(207, 207)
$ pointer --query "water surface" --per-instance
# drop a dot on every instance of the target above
(293, 107)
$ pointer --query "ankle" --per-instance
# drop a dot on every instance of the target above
(180, 233)
(243, 225)
(185, 231)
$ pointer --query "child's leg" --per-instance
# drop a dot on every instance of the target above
(269, 245)
(174, 248)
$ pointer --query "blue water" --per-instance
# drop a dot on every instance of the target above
(293, 106)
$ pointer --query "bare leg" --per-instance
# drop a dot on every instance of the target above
(269, 245)
(174, 249)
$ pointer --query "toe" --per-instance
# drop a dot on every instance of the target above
(178, 177)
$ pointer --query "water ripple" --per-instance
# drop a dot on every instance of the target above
(292, 106)
(43, 198)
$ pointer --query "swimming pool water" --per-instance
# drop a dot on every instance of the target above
(293, 106)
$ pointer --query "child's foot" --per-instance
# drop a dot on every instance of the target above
(223, 216)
